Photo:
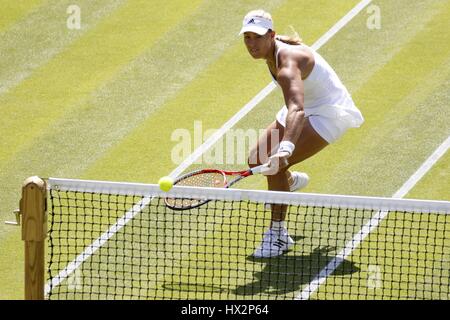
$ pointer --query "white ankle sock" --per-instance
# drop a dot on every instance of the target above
(277, 225)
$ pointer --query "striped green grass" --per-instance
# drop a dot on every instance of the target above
(102, 102)
(435, 184)
(83, 67)
(33, 41)
(12, 12)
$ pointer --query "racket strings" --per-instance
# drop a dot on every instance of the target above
(205, 179)
(209, 180)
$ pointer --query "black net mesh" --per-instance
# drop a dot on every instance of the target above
(104, 246)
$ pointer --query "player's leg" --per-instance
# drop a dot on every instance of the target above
(267, 144)
(277, 240)
(308, 144)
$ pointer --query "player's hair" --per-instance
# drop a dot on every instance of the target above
(293, 39)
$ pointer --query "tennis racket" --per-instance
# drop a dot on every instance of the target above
(211, 178)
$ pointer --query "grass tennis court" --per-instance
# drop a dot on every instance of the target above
(101, 102)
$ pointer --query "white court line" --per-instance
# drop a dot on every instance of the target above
(372, 224)
(219, 133)
(91, 249)
(340, 24)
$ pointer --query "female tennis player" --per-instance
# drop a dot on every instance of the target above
(318, 111)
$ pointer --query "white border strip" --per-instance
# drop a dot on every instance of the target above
(372, 224)
(213, 139)
(260, 196)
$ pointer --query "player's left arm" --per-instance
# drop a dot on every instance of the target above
(289, 78)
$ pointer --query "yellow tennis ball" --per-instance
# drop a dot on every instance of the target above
(165, 183)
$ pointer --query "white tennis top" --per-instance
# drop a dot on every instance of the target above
(324, 93)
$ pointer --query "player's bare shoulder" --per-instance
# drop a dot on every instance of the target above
(297, 56)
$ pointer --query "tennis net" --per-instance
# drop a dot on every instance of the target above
(120, 241)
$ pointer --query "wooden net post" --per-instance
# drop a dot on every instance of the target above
(33, 208)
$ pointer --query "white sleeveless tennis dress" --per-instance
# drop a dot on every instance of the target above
(327, 103)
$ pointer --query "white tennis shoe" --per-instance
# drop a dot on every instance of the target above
(274, 243)
(299, 181)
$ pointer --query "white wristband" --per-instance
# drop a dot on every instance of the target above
(286, 146)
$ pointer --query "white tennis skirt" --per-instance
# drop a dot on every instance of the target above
(329, 121)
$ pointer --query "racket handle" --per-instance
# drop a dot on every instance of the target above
(260, 169)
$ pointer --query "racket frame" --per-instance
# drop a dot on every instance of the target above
(239, 176)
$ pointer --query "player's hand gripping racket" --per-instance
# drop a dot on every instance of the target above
(212, 178)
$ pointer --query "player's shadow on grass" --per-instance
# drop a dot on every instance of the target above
(288, 274)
